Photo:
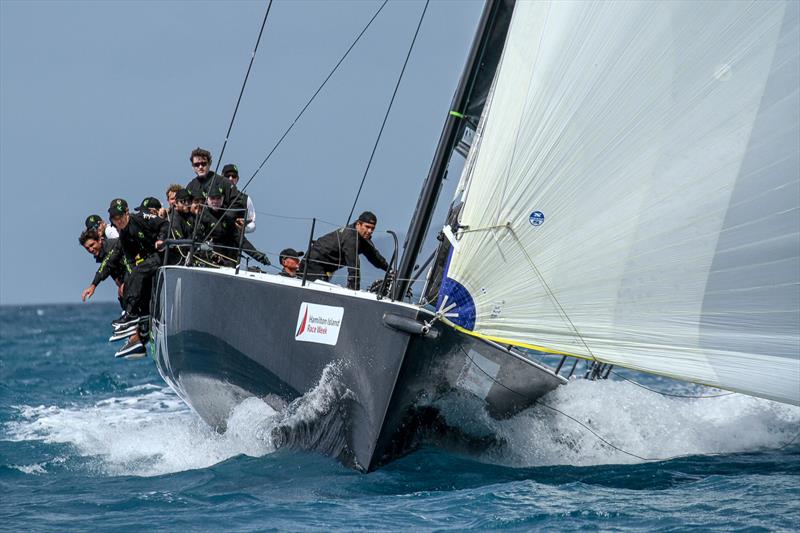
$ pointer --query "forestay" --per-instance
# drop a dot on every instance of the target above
(635, 194)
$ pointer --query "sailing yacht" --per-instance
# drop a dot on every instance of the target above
(631, 196)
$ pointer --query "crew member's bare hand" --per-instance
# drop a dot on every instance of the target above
(240, 222)
(87, 293)
(159, 245)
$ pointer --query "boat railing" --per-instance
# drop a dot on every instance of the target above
(208, 254)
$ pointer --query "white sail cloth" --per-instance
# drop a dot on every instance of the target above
(635, 195)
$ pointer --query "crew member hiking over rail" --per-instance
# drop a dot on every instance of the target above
(141, 237)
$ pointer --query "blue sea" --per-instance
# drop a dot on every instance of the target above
(88, 442)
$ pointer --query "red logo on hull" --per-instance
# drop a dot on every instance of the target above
(302, 327)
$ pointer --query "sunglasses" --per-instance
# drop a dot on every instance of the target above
(200, 164)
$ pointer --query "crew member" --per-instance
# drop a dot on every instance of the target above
(231, 172)
(97, 223)
(141, 236)
(181, 226)
(290, 261)
(206, 179)
(219, 226)
(342, 247)
(150, 205)
(112, 261)
(172, 190)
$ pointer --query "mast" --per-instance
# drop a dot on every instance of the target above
(478, 72)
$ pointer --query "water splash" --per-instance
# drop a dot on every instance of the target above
(633, 419)
(150, 431)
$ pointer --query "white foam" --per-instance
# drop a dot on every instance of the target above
(636, 420)
(149, 434)
(34, 469)
(152, 432)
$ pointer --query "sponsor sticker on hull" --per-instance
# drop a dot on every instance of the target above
(318, 323)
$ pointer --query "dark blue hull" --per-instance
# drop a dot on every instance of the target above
(221, 338)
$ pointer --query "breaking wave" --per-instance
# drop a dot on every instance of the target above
(150, 431)
(638, 425)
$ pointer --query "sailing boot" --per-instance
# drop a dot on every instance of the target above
(126, 326)
(124, 320)
(133, 349)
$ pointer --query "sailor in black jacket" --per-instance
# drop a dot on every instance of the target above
(206, 179)
(181, 226)
(112, 261)
(218, 225)
(342, 247)
(141, 237)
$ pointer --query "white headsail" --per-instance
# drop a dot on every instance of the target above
(635, 194)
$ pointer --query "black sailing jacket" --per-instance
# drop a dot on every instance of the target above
(201, 185)
(341, 248)
(138, 239)
(112, 261)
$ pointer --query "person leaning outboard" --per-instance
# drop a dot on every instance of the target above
(141, 237)
(113, 262)
(342, 247)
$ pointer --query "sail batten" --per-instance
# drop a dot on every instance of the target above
(635, 194)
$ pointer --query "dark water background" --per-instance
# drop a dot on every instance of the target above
(92, 443)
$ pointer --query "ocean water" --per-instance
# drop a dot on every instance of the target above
(88, 442)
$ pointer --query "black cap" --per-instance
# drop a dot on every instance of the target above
(215, 192)
(149, 203)
(183, 194)
(289, 252)
(230, 168)
(118, 207)
(93, 221)
(368, 217)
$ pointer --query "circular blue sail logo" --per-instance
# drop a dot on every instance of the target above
(536, 218)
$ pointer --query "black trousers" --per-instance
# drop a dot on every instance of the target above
(138, 285)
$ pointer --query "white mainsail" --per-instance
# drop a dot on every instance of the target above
(635, 195)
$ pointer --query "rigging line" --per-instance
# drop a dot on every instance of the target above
(303, 110)
(551, 293)
(310, 100)
(235, 111)
(388, 110)
(669, 393)
(244, 84)
(600, 437)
